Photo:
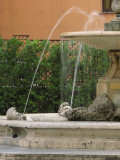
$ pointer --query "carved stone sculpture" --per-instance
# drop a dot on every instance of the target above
(102, 109)
(12, 114)
(64, 109)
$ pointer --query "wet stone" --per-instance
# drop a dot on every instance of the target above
(102, 109)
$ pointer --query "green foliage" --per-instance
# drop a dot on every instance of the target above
(18, 62)
(93, 64)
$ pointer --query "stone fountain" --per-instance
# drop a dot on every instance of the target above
(54, 131)
(109, 39)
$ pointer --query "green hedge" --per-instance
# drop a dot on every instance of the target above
(94, 63)
(53, 83)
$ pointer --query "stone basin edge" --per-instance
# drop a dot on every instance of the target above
(59, 125)
(89, 33)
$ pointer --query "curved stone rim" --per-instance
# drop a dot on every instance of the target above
(89, 33)
(109, 40)
(62, 124)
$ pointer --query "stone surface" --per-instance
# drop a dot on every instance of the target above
(112, 26)
(60, 135)
(108, 40)
(111, 88)
(116, 6)
(64, 108)
(47, 117)
(110, 82)
(57, 157)
(17, 153)
(116, 116)
(12, 114)
(102, 109)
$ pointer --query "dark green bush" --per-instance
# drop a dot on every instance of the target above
(18, 62)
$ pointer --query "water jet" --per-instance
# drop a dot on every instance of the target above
(53, 131)
(109, 39)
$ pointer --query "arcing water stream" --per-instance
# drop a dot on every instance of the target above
(91, 18)
(71, 10)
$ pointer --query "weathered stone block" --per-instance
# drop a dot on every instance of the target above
(112, 26)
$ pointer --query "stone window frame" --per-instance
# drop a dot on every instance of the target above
(106, 8)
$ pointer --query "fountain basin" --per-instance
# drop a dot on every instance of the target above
(47, 117)
(60, 134)
(109, 40)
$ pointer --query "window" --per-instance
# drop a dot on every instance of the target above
(106, 5)
(21, 37)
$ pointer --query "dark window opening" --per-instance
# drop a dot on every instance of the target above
(106, 5)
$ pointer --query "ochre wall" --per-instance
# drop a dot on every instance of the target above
(38, 17)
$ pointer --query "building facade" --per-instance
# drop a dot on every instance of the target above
(35, 19)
